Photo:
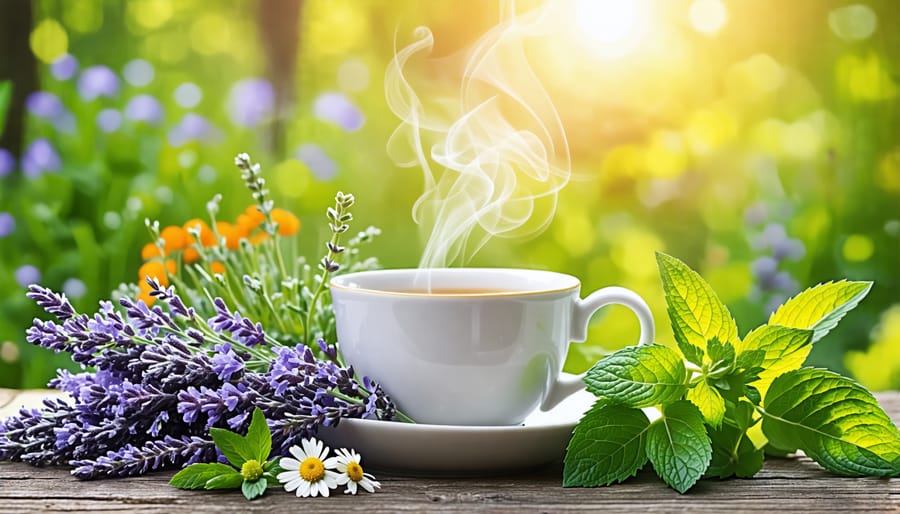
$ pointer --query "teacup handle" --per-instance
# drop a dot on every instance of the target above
(582, 310)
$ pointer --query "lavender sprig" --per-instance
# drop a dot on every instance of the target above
(157, 388)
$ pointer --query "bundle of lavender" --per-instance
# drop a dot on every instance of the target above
(164, 368)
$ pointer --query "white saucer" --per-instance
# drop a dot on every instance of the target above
(412, 447)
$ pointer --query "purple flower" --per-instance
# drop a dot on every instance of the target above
(65, 123)
(340, 110)
(188, 95)
(64, 67)
(109, 120)
(27, 275)
(315, 158)
(144, 108)
(138, 72)
(7, 224)
(74, 288)
(7, 162)
(242, 329)
(226, 363)
(40, 157)
(250, 102)
(192, 127)
(44, 105)
(98, 81)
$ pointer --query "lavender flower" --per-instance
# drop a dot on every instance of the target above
(7, 162)
(27, 275)
(64, 67)
(144, 108)
(7, 224)
(138, 72)
(192, 127)
(315, 158)
(109, 120)
(44, 105)
(158, 389)
(337, 108)
(97, 81)
(250, 102)
(40, 157)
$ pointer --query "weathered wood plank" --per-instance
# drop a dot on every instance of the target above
(789, 485)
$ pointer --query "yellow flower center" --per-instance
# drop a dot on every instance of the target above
(354, 471)
(312, 469)
(251, 470)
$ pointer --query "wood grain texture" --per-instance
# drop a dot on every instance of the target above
(788, 485)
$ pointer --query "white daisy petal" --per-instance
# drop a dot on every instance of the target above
(323, 489)
(343, 479)
(367, 485)
(308, 449)
(293, 484)
(297, 452)
(330, 463)
(351, 488)
(287, 476)
(303, 490)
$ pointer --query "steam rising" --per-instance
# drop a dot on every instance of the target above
(494, 152)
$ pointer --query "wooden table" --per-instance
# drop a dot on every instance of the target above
(786, 485)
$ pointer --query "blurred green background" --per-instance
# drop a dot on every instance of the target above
(758, 141)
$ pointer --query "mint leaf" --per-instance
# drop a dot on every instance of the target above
(231, 480)
(259, 437)
(195, 476)
(678, 446)
(709, 401)
(820, 308)
(834, 420)
(696, 312)
(234, 447)
(639, 376)
(785, 349)
(607, 446)
(733, 454)
(721, 355)
(255, 488)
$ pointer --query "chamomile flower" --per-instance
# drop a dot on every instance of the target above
(310, 472)
(351, 473)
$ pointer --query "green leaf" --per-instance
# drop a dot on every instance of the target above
(232, 480)
(733, 454)
(195, 476)
(254, 489)
(785, 350)
(721, 355)
(696, 312)
(678, 445)
(234, 447)
(5, 97)
(709, 401)
(834, 420)
(639, 376)
(259, 436)
(820, 308)
(607, 446)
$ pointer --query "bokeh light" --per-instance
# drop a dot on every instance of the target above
(708, 16)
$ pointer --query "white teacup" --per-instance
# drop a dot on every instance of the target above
(469, 346)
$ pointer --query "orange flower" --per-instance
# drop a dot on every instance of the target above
(256, 239)
(190, 255)
(207, 237)
(157, 270)
(175, 238)
(217, 267)
(232, 234)
(149, 251)
(250, 219)
(145, 293)
(288, 224)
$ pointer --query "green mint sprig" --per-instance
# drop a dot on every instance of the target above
(719, 406)
(249, 469)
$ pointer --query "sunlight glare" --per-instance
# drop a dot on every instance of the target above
(612, 27)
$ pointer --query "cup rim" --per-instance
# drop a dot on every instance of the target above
(345, 282)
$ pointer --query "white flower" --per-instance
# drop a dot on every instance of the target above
(351, 473)
(310, 473)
